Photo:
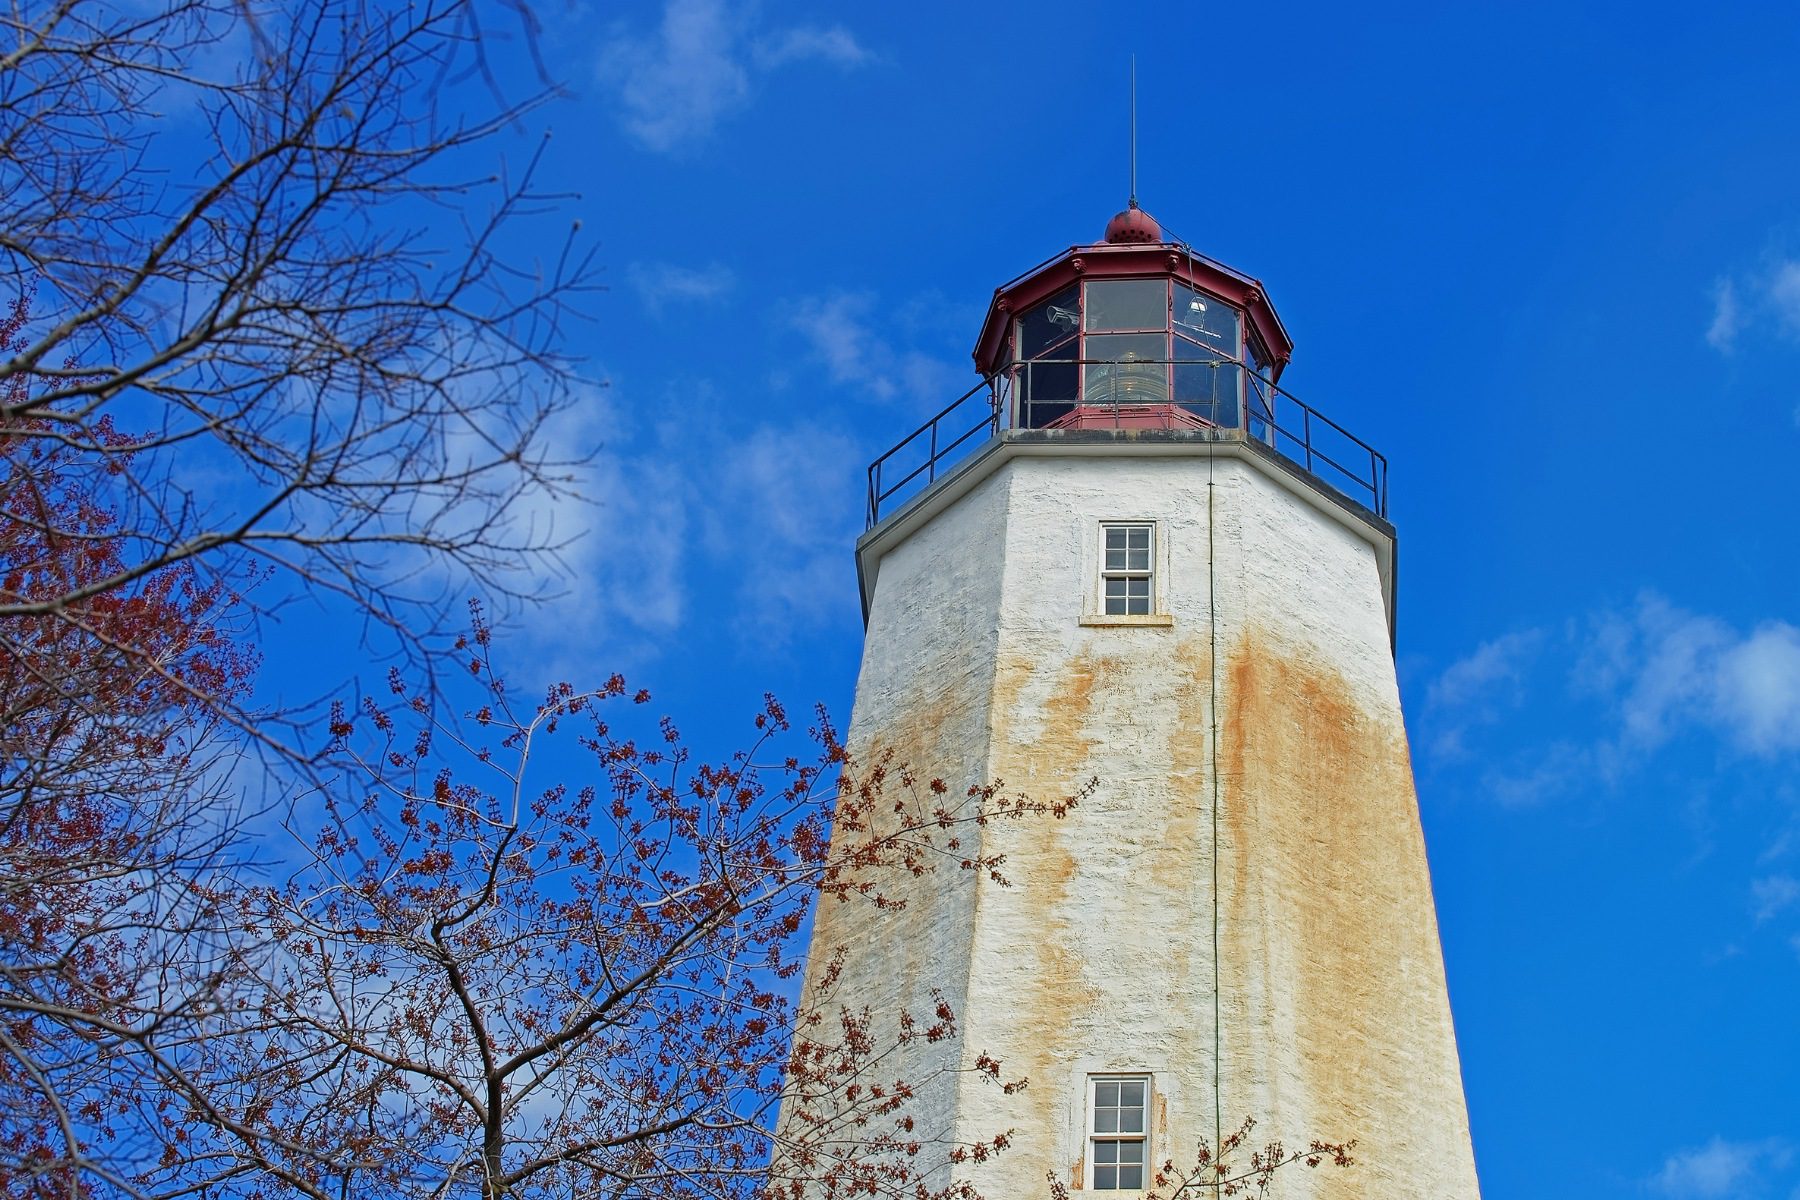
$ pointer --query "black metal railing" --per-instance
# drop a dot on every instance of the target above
(1218, 398)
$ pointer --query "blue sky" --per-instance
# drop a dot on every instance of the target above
(1546, 258)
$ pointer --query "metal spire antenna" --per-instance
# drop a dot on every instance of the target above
(1133, 203)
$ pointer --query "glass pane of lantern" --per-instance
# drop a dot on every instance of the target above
(1206, 319)
(1049, 323)
(1209, 387)
(1254, 356)
(1131, 370)
(1128, 304)
(1046, 391)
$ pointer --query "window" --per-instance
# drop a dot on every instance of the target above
(1118, 1133)
(1048, 348)
(1126, 576)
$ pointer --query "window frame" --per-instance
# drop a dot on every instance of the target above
(1093, 1137)
(1150, 574)
(1091, 361)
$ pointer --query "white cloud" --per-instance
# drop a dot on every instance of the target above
(1784, 296)
(1773, 894)
(1673, 670)
(1758, 684)
(674, 86)
(1721, 335)
(1720, 1167)
(702, 516)
(1500, 661)
(783, 510)
(845, 332)
(1473, 690)
(1549, 773)
(1657, 671)
(619, 525)
(834, 45)
(661, 284)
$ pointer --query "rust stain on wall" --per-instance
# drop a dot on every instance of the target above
(1324, 895)
(1051, 996)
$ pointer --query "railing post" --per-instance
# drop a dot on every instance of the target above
(931, 471)
(1306, 427)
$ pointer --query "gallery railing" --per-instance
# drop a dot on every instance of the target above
(1218, 399)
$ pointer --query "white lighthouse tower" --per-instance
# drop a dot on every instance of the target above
(1129, 556)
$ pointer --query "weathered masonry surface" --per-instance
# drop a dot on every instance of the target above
(1242, 909)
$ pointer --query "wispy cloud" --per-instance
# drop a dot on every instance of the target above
(1765, 300)
(847, 332)
(1640, 679)
(689, 513)
(1543, 775)
(834, 45)
(1722, 334)
(660, 284)
(1773, 895)
(784, 508)
(1475, 690)
(1784, 297)
(1674, 670)
(701, 65)
(1501, 661)
(1720, 1168)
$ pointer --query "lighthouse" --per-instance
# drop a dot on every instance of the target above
(1130, 556)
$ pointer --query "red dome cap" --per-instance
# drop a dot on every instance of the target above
(1134, 226)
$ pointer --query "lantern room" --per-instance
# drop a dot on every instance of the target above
(1134, 339)
(1134, 332)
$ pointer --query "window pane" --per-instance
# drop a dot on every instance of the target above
(1253, 355)
(1128, 304)
(1206, 319)
(1131, 1178)
(1138, 560)
(1260, 412)
(1049, 323)
(1130, 370)
(1106, 1152)
(1131, 1152)
(1106, 1094)
(1138, 538)
(1131, 1120)
(1115, 559)
(1209, 387)
(1046, 391)
(1131, 1091)
(1106, 1179)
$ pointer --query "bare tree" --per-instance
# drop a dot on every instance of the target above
(272, 301)
(1238, 1167)
(266, 333)
(484, 986)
